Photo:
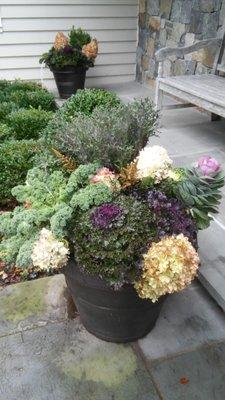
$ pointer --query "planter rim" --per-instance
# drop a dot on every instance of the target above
(68, 68)
(92, 279)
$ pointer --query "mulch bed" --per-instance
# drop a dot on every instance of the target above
(16, 275)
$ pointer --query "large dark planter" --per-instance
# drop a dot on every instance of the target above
(69, 80)
(115, 316)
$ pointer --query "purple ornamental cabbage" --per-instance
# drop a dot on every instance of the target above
(105, 214)
(171, 217)
(208, 166)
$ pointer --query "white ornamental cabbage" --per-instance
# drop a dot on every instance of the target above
(153, 162)
(48, 252)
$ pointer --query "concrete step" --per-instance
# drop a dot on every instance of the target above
(212, 253)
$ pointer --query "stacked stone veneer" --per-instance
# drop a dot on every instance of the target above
(176, 23)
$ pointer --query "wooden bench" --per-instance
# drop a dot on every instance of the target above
(204, 91)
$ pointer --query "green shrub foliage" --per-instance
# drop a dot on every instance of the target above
(8, 88)
(4, 84)
(23, 85)
(86, 100)
(35, 99)
(16, 158)
(6, 133)
(112, 137)
(27, 124)
(17, 96)
(83, 102)
(78, 38)
(6, 108)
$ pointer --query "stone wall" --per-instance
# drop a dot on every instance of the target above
(176, 23)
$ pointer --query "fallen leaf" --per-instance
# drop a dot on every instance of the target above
(184, 381)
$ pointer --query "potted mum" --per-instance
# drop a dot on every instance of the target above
(69, 59)
(122, 226)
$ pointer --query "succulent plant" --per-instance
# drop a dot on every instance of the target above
(200, 194)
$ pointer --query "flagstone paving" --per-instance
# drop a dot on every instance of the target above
(63, 361)
(182, 358)
(188, 320)
(45, 355)
(197, 375)
(32, 304)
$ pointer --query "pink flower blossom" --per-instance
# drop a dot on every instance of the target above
(104, 175)
(208, 165)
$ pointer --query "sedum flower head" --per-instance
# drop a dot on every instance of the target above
(169, 266)
(153, 162)
(48, 252)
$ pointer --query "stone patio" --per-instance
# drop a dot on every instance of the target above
(46, 354)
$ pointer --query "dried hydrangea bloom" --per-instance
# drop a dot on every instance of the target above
(153, 162)
(90, 50)
(60, 41)
(169, 266)
(48, 252)
(104, 175)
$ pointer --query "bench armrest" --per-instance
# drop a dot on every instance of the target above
(166, 52)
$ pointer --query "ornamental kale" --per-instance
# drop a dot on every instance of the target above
(46, 201)
(208, 166)
(171, 217)
(103, 216)
(91, 195)
(113, 249)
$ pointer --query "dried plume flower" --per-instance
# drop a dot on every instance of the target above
(66, 161)
(90, 50)
(128, 175)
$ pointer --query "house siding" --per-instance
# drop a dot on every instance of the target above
(29, 28)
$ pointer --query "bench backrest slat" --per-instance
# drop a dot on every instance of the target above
(218, 65)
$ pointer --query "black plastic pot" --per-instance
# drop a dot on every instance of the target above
(69, 80)
(115, 316)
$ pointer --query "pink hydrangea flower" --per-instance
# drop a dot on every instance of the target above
(209, 166)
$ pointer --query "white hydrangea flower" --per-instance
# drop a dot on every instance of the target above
(153, 162)
(48, 252)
